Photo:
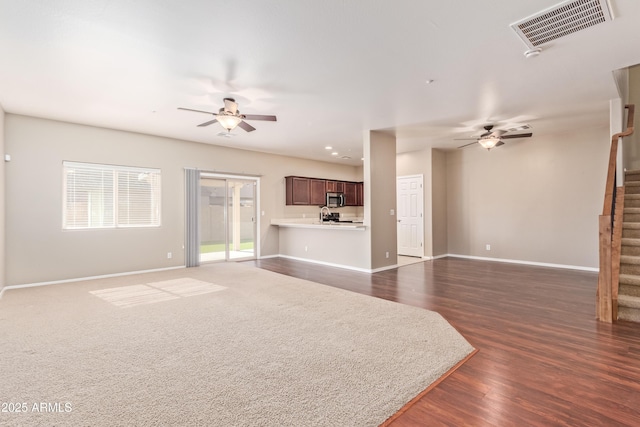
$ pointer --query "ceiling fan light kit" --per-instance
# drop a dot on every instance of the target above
(489, 143)
(229, 117)
(228, 121)
(492, 138)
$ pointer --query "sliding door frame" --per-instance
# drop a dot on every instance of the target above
(256, 215)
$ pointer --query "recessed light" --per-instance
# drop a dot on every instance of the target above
(335, 153)
(328, 147)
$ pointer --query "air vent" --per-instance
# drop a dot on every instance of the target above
(563, 19)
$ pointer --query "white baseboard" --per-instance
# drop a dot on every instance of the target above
(388, 267)
(516, 261)
(346, 267)
(80, 279)
(511, 261)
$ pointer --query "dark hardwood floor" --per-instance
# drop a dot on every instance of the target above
(543, 359)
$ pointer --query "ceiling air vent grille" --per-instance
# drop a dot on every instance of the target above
(563, 19)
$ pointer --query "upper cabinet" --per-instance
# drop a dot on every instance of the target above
(312, 191)
(335, 186)
(360, 194)
(298, 191)
(350, 194)
(318, 192)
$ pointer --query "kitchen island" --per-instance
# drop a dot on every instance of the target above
(337, 244)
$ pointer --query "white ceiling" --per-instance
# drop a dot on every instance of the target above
(328, 69)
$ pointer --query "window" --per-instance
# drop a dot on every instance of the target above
(106, 196)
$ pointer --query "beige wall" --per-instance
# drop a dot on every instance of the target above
(38, 250)
(534, 200)
(632, 143)
(439, 203)
(2, 197)
(380, 198)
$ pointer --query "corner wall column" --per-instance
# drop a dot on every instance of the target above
(380, 198)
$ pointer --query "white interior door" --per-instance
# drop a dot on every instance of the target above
(410, 215)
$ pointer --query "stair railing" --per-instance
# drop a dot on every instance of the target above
(610, 233)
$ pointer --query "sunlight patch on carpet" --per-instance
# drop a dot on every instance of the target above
(187, 287)
(130, 296)
(154, 292)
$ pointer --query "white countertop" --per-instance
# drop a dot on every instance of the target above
(314, 223)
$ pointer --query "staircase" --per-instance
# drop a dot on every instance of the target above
(629, 289)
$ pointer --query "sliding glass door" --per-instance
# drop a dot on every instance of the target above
(227, 218)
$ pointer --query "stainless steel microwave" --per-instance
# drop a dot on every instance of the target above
(335, 200)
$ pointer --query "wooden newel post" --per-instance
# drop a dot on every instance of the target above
(604, 311)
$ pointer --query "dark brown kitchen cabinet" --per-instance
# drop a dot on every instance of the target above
(350, 194)
(359, 194)
(318, 192)
(312, 191)
(335, 186)
(298, 191)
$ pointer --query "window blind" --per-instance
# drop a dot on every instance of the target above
(107, 196)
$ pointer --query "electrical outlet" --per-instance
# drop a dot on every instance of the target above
(306, 248)
(488, 247)
(169, 255)
(386, 254)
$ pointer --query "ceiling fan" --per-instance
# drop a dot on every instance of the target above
(229, 116)
(493, 138)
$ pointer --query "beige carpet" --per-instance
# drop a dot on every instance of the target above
(219, 345)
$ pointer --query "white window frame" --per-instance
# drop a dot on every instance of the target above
(155, 202)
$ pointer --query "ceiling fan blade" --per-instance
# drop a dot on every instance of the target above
(230, 105)
(522, 135)
(499, 144)
(466, 145)
(259, 117)
(197, 111)
(210, 122)
(467, 139)
(246, 126)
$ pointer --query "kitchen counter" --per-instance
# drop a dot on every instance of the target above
(337, 244)
(354, 225)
